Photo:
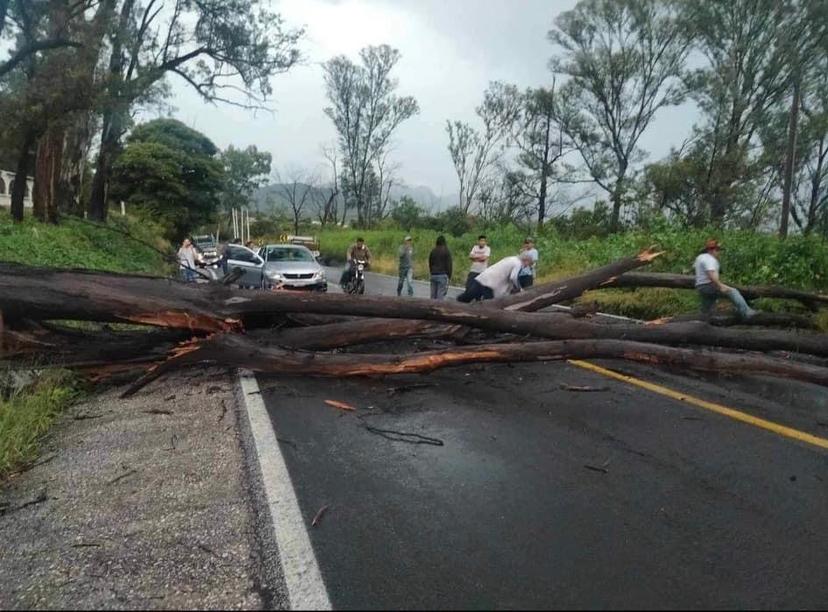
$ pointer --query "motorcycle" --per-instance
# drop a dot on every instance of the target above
(356, 282)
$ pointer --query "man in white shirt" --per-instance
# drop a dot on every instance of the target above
(527, 273)
(710, 286)
(496, 281)
(479, 257)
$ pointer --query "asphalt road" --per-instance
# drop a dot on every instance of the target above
(542, 497)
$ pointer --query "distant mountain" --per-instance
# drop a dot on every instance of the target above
(270, 198)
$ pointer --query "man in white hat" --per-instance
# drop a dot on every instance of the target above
(498, 280)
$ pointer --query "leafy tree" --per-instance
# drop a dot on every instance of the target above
(623, 60)
(407, 213)
(245, 170)
(170, 172)
(476, 153)
(215, 46)
(365, 111)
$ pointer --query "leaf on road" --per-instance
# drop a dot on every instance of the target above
(319, 515)
(340, 405)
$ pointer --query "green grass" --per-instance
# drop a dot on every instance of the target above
(75, 243)
(27, 416)
(749, 258)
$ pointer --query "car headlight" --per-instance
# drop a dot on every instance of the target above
(319, 275)
(273, 275)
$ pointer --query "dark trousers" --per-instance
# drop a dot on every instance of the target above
(471, 277)
(527, 280)
(475, 291)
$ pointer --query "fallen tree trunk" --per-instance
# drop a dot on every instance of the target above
(211, 308)
(760, 319)
(750, 292)
(540, 296)
(238, 351)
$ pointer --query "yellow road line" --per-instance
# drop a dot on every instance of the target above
(737, 415)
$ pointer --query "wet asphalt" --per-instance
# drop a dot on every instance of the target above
(516, 492)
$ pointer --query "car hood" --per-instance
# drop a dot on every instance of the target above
(293, 267)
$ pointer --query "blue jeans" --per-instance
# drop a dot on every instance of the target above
(439, 286)
(188, 275)
(406, 278)
(709, 294)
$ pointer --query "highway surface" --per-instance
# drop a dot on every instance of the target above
(500, 486)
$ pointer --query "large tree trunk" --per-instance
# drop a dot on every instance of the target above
(18, 192)
(48, 163)
(98, 207)
(238, 351)
(27, 293)
(790, 155)
(682, 281)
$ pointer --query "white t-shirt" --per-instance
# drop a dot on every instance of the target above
(530, 270)
(705, 263)
(502, 276)
(477, 251)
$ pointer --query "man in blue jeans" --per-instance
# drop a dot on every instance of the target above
(710, 286)
(406, 255)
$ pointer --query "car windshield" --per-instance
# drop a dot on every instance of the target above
(287, 254)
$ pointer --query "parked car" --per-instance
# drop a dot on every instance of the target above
(207, 247)
(293, 266)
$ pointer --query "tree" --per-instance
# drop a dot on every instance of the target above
(297, 189)
(475, 153)
(365, 111)
(540, 137)
(214, 46)
(170, 173)
(737, 92)
(245, 170)
(324, 199)
(623, 60)
(407, 213)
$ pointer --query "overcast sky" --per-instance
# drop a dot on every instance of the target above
(451, 49)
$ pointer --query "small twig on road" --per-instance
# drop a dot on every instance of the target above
(582, 388)
(41, 497)
(290, 443)
(319, 515)
(595, 468)
(223, 411)
(122, 476)
(157, 411)
(405, 388)
(401, 436)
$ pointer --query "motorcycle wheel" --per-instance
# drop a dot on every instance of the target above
(360, 289)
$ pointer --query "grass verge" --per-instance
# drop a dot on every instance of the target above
(27, 415)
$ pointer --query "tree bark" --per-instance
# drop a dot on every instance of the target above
(18, 192)
(39, 294)
(48, 163)
(750, 292)
(238, 351)
(790, 155)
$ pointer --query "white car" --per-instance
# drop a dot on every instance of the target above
(293, 266)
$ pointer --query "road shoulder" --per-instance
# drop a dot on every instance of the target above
(138, 503)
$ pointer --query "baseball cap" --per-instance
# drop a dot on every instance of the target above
(407, 238)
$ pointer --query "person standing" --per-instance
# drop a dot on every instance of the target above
(187, 261)
(527, 273)
(479, 256)
(439, 266)
(710, 286)
(406, 255)
(498, 280)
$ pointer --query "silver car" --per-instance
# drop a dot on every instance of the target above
(294, 266)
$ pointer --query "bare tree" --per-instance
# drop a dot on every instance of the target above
(475, 153)
(366, 112)
(297, 189)
(324, 199)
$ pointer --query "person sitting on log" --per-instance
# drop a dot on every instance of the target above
(710, 286)
(356, 252)
(498, 280)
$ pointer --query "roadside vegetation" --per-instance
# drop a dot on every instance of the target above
(27, 414)
(122, 245)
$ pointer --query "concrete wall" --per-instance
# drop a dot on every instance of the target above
(6, 179)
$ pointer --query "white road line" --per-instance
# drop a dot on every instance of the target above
(306, 589)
